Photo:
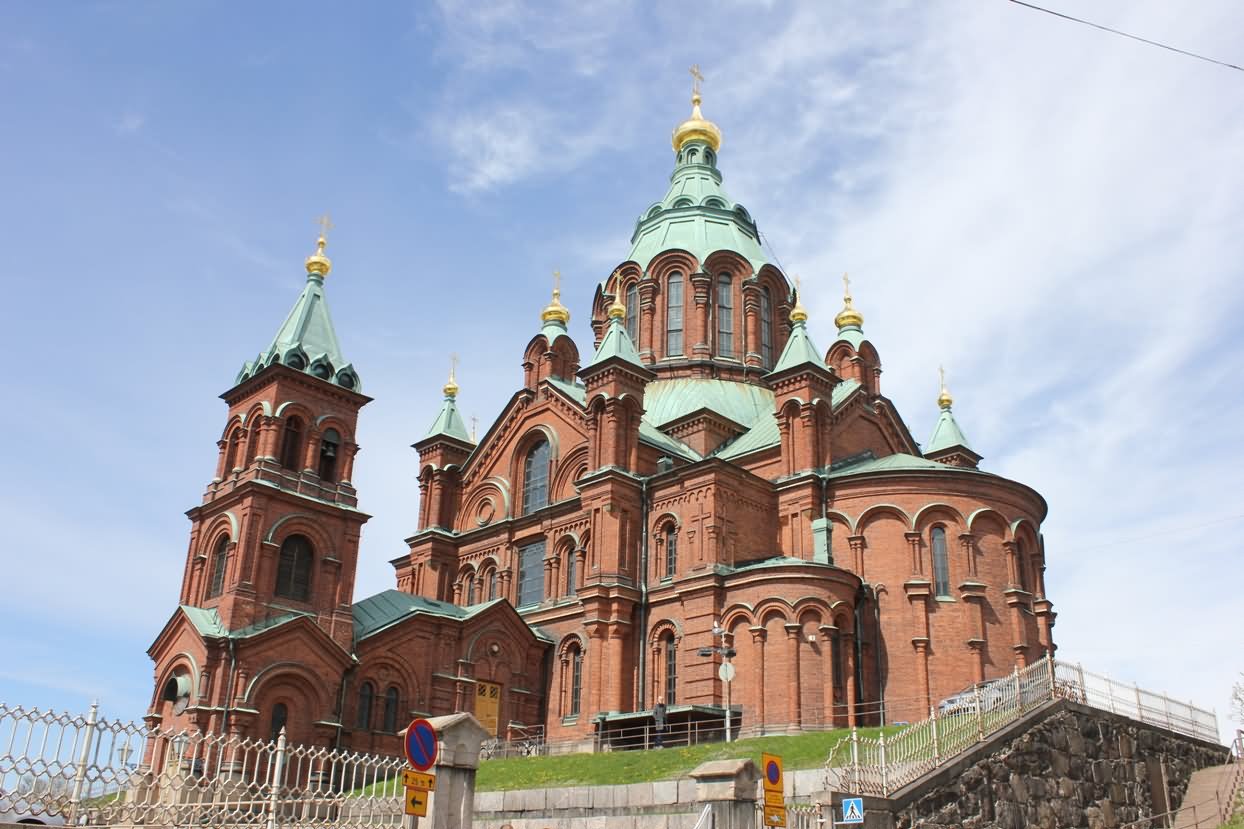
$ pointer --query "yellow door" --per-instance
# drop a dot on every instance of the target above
(488, 705)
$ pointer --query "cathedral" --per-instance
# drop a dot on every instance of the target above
(703, 485)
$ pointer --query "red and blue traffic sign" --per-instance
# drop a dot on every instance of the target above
(421, 744)
(773, 772)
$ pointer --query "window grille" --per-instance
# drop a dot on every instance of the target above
(725, 317)
(673, 315)
(536, 478)
(293, 573)
(632, 312)
(941, 563)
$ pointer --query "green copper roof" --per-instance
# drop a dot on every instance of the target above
(206, 621)
(799, 350)
(744, 403)
(764, 434)
(307, 341)
(898, 462)
(696, 215)
(617, 343)
(946, 434)
(449, 423)
(648, 433)
(552, 329)
(852, 334)
(387, 608)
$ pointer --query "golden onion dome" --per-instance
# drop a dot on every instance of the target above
(617, 310)
(555, 311)
(697, 128)
(318, 263)
(848, 316)
(798, 313)
(944, 400)
(451, 387)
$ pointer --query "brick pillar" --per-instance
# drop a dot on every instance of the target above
(969, 554)
(827, 671)
(758, 647)
(917, 560)
(793, 631)
(596, 636)
(620, 698)
(751, 324)
(857, 550)
(1012, 563)
(647, 312)
(922, 670)
(701, 283)
(848, 642)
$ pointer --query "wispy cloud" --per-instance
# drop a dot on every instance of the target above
(130, 123)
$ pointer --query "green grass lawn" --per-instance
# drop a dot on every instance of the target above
(800, 751)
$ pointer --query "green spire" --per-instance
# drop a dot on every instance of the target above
(448, 422)
(946, 434)
(617, 343)
(307, 341)
(799, 349)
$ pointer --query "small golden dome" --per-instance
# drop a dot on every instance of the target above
(555, 311)
(697, 128)
(317, 262)
(451, 385)
(944, 400)
(848, 316)
(617, 310)
(798, 313)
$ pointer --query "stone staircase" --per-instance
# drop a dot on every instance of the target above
(1211, 793)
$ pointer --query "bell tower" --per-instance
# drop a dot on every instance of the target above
(277, 533)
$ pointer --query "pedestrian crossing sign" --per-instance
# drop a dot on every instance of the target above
(852, 810)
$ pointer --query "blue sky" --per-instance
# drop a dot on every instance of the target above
(1052, 212)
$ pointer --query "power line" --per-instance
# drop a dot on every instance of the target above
(1125, 34)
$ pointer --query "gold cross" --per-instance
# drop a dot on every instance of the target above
(325, 225)
(846, 284)
(941, 376)
(453, 364)
(696, 79)
(474, 426)
(557, 282)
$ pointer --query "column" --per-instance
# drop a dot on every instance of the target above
(701, 284)
(827, 672)
(857, 550)
(751, 324)
(620, 699)
(647, 313)
(917, 560)
(596, 638)
(793, 635)
(848, 642)
(969, 555)
(758, 648)
(922, 670)
(1012, 563)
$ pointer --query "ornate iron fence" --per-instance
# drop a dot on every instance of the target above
(880, 766)
(97, 772)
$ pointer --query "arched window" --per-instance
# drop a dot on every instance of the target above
(291, 444)
(328, 455)
(293, 572)
(671, 551)
(390, 710)
(531, 573)
(673, 315)
(576, 680)
(839, 658)
(280, 716)
(632, 312)
(492, 584)
(671, 668)
(470, 589)
(362, 717)
(725, 317)
(766, 327)
(536, 478)
(1021, 566)
(571, 577)
(231, 455)
(219, 559)
(941, 563)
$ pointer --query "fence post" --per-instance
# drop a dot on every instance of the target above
(937, 751)
(885, 778)
(980, 715)
(1019, 696)
(1049, 667)
(855, 759)
(278, 774)
(79, 774)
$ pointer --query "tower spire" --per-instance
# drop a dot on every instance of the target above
(697, 127)
(848, 317)
(317, 263)
(944, 400)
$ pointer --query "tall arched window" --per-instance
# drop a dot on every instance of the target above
(390, 710)
(941, 563)
(293, 572)
(492, 584)
(725, 317)
(470, 589)
(576, 680)
(671, 668)
(536, 478)
(673, 315)
(280, 716)
(531, 573)
(571, 577)
(1021, 566)
(231, 455)
(362, 717)
(671, 551)
(220, 558)
(291, 443)
(839, 658)
(766, 327)
(328, 455)
(632, 312)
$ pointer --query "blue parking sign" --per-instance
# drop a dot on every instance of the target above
(852, 810)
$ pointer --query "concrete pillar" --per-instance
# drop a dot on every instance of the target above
(728, 789)
(452, 805)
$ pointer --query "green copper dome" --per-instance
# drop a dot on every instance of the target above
(696, 215)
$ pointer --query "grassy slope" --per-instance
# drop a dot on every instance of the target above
(797, 752)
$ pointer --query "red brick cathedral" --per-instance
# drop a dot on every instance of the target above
(703, 477)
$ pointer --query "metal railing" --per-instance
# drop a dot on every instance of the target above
(97, 772)
(882, 765)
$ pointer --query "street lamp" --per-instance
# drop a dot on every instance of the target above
(726, 672)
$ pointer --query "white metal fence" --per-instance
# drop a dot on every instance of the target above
(882, 765)
(96, 772)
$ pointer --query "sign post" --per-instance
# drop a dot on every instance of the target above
(775, 790)
(421, 744)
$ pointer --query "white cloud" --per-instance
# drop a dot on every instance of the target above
(130, 123)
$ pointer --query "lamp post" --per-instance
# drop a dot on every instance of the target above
(726, 672)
